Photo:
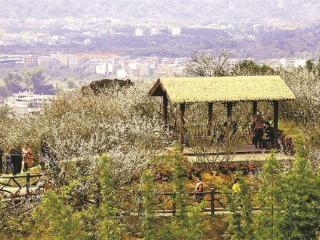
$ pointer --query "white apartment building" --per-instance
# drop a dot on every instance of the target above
(102, 68)
(27, 102)
(293, 62)
(139, 32)
(175, 30)
(87, 41)
(121, 74)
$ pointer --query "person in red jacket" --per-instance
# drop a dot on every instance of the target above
(198, 192)
(258, 125)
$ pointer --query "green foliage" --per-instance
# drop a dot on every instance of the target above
(109, 226)
(29, 79)
(269, 198)
(313, 68)
(180, 203)
(192, 229)
(13, 82)
(240, 206)
(300, 218)
(187, 223)
(60, 215)
(289, 202)
(309, 65)
(36, 81)
(248, 67)
(148, 196)
(196, 228)
(55, 219)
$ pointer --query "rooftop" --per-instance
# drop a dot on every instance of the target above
(223, 89)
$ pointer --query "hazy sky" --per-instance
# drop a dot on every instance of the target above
(197, 11)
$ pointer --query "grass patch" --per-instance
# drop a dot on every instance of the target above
(290, 129)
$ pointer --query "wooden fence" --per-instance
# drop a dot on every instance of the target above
(21, 184)
(215, 202)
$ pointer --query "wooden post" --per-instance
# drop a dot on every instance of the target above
(98, 197)
(174, 210)
(165, 110)
(182, 123)
(1, 163)
(212, 201)
(210, 108)
(28, 183)
(254, 108)
(275, 121)
(229, 109)
(140, 205)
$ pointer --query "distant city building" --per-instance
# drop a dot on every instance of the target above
(154, 31)
(102, 68)
(139, 32)
(292, 63)
(121, 74)
(30, 60)
(27, 102)
(175, 30)
(73, 60)
(44, 61)
(280, 4)
(87, 41)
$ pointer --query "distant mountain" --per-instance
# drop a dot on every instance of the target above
(265, 12)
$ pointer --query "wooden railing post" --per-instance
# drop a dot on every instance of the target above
(182, 125)
(174, 204)
(210, 118)
(98, 200)
(212, 193)
(275, 122)
(174, 209)
(28, 183)
(140, 206)
(165, 110)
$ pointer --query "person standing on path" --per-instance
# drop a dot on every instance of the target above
(198, 192)
(16, 160)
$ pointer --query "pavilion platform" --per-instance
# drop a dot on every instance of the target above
(227, 91)
(255, 158)
(245, 154)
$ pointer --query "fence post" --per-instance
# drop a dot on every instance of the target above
(212, 201)
(98, 200)
(28, 183)
(174, 204)
(140, 206)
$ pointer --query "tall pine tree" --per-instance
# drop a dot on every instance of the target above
(269, 199)
(240, 206)
(109, 226)
(300, 218)
(148, 196)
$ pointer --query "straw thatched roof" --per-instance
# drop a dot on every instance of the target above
(222, 89)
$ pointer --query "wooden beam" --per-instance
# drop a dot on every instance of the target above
(165, 110)
(182, 123)
(275, 121)
(210, 117)
(229, 109)
(254, 108)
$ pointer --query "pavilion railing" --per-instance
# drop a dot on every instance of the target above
(215, 135)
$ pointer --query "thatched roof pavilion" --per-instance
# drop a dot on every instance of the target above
(221, 89)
